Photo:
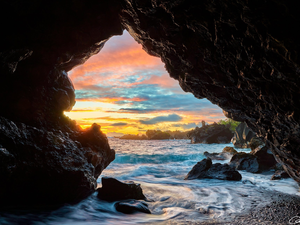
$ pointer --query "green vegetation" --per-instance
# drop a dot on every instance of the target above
(134, 137)
(157, 135)
(231, 123)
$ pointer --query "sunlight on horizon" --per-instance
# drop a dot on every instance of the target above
(127, 91)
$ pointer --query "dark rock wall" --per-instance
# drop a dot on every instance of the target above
(45, 158)
(41, 41)
(241, 55)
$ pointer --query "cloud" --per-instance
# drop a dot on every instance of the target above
(160, 119)
(118, 124)
(124, 80)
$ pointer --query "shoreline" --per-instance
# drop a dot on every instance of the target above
(281, 209)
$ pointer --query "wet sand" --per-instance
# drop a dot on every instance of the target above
(283, 209)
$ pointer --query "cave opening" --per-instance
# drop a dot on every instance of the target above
(127, 91)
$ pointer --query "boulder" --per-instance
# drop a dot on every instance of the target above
(227, 153)
(242, 136)
(255, 142)
(215, 156)
(256, 161)
(113, 190)
(132, 206)
(50, 167)
(229, 150)
(206, 170)
(265, 157)
(280, 174)
(214, 133)
(245, 161)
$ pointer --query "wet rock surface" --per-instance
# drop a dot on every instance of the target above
(280, 174)
(132, 206)
(245, 161)
(214, 133)
(265, 157)
(113, 190)
(205, 169)
(227, 153)
(242, 136)
(258, 160)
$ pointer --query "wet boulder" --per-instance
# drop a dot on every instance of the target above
(255, 142)
(206, 170)
(215, 156)
(229, 150)
(114, 190)
(227, 153)
(242, 136)
(265, 157)
(245, 161)
(280, 174)
(132, 206)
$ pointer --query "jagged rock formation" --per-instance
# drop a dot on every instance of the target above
(206, 170)
(241, 55)
(214, 133)
(242, 136)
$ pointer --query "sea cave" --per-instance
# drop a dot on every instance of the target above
(240, 55)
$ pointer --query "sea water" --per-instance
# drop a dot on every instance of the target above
(160, 168)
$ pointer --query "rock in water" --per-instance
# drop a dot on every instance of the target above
(132, 206)
(229, 150)
(245, 161)
(205, 169)
(44, 167)
(199, 169)
(280, 174)
(215, 156)
(256, 142)
(265, 157)
(242, 136)
(227, 153)
(214, 133)
(113, 190)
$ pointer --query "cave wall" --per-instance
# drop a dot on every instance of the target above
(44, 157)
(241, 55)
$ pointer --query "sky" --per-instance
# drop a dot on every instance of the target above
(127, 91)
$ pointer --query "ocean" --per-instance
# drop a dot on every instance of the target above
(160, 167)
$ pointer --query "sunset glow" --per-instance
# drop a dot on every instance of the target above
(127, 91)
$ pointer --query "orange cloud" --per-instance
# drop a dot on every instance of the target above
(164, 81)
(113, 99)
(122, 63)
